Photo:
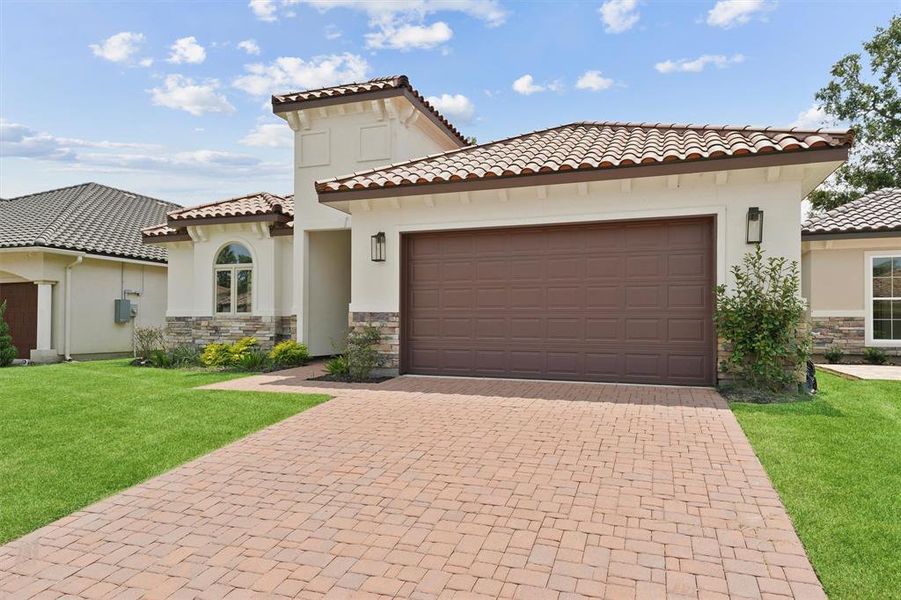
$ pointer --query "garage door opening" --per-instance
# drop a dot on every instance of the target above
(21, 315)
(628, 301)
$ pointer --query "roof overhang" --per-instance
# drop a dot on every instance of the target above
(404, 92)
(850, 235)
(801, 157)
(85, 253)
(196, 221)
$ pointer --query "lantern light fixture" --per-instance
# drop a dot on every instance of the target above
(377, 249)
(755, 225)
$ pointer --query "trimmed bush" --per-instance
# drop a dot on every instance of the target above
(216, 354)
(289, 354)
(253, 359)
(762, 322)
(8, 352)
(874, 356)
(148, 340)
(337, 366)
(834, 355)
(361, 352)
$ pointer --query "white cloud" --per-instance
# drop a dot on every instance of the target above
(698, 64)
(273, 135)
(183, 93)
(594, 81)
(814, 117)
(288, 73)
(619, 15)
(729, 13)
(146, 62)
(332, 32)
(489, 11)
(455, 106)
(119, 48)
(249, 46)
(187, 50)
(407, 37)
(526, 86)
(24, 142)
(265, 10)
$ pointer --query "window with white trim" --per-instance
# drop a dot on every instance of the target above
(886, 278)
(233, 280)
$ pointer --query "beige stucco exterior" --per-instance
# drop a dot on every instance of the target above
(836, 282)
(95, 283)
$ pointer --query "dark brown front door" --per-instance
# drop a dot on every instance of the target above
(21, 314)
(627, 301)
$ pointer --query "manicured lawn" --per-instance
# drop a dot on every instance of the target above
(71, 434)
(836, 462)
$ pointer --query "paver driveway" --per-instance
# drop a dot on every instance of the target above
(451, 488)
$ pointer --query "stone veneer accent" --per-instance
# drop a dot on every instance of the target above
(200, 331)
(847, 333)
(389, 324)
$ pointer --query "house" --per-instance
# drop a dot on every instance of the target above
(587, 251)
(851, 274)
(68, 259)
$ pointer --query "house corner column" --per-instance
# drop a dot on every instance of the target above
(44, 352)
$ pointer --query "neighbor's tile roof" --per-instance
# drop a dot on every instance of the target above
(876, 211)
(88, 217)
(259, 203)
(398, 82)
(587, 146)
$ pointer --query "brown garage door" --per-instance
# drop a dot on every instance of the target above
(626, 301)
(21, 314)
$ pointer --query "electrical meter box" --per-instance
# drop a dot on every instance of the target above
(123, 310)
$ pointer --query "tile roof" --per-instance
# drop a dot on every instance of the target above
(587, 146)
(89, 217)
(250, 205)
(379, 84)
(877, 211)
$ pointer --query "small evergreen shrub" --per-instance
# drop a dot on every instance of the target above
(241, 348)
(185, 356)
(874, 356)
(253, 359)
(216, 354)
(834, 355)
(161, 359)
(362, 353)
(762, 323)
(8, 352)
(148, 340)
(289, 354)
(337, 366)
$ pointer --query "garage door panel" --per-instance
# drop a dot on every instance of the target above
(599, 302)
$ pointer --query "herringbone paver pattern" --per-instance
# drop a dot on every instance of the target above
(430, 488)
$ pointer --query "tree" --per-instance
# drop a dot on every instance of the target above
(8, 352)
(872, 106)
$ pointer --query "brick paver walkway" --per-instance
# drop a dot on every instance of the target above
(423, 488)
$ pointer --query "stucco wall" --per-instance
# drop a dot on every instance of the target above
(329, 293)
(375, 286)
(96, 283)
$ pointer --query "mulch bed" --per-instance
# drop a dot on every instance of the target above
(347, 379)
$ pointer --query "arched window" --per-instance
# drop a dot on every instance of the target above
(234, 280)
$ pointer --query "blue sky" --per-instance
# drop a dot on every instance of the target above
(171, 99)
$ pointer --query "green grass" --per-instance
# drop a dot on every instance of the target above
(71, 434)
(836, 462)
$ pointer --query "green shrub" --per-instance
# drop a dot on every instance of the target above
(834, 355)
(337, 366)
(217, 354)
(8, 352)
(874, 356)
(361, 352)
(161, 359)
(185, 356)
(253, 359)
(148, 340)
(762, 323)
(289, 354)
(241, 348)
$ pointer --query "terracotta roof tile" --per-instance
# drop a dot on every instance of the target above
(876, 211)
(586, 146)
(393, 82)
(250, 205)
(89, 217)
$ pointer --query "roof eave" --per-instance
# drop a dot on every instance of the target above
(192, 221)
(849, 235)
(798, 157)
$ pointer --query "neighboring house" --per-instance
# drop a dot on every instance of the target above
(851, 274)
(587, 251)
(66, 256)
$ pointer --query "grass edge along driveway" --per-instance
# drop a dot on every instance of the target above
(72, 434)
(836, 463)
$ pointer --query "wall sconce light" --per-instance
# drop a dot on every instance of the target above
(377, 249)
(755, 225)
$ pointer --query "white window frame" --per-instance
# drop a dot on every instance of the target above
(234, 268)
(868, 287)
